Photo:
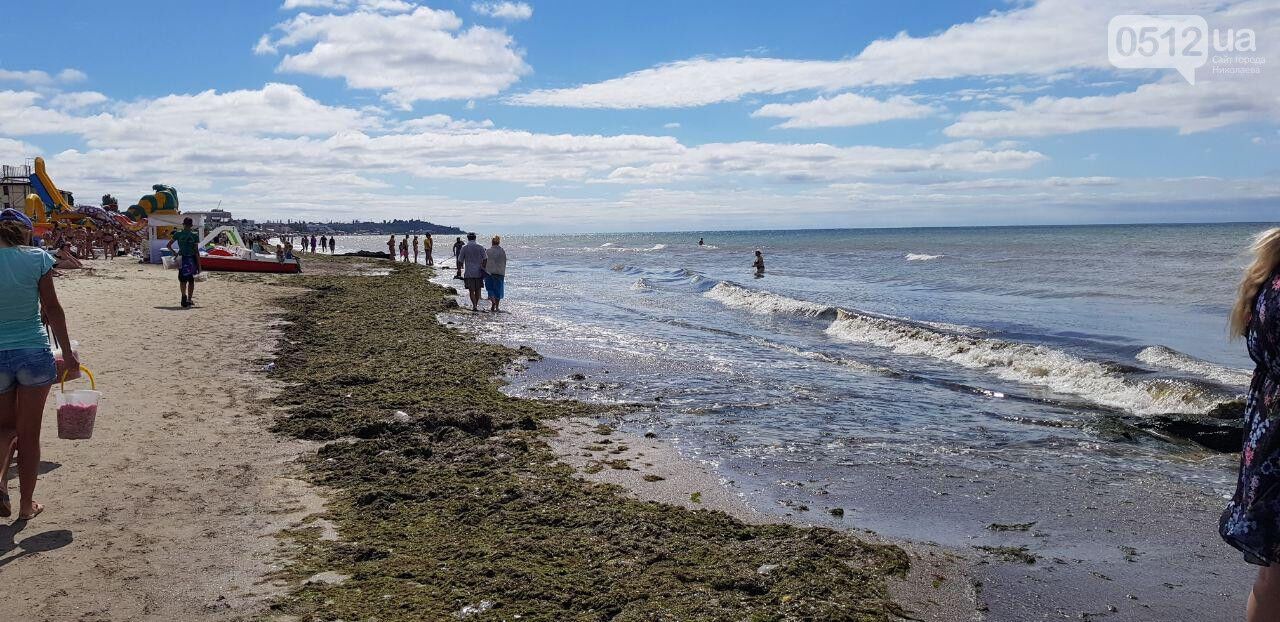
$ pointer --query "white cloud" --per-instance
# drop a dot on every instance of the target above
(671, 126)
(845, 110)
(421, 55)
(1042, 39)
(514, 11)
(77, 100)
(35, 77)
(1171, 104)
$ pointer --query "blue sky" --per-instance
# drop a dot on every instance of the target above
(589, 116)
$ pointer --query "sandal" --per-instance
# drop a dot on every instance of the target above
(36, 509)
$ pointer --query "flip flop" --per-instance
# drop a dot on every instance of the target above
(37, 509)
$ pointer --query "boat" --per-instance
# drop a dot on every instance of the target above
(219, 263)
(234, 257)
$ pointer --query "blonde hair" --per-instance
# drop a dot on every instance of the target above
(1266, 258)
(497, 239)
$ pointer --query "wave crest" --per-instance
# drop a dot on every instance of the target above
(767, 303)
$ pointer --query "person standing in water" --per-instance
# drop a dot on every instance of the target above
(404, 249)
(457, 263)
(471, 260)
(324, 242)
(495, 267)
(391, 247)
(759, 264)
(333, 245)
(701, 242)
(27, 366)
(427, 245)
(313, 242)
(1251, 521)
(415, 249)
(188, 261)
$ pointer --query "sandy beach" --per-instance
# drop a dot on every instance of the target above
(169, 511)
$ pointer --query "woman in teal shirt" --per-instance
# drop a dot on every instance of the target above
(27, 368)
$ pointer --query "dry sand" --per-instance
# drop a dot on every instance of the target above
(169, 512)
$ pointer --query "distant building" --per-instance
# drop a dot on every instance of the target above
(219, 217)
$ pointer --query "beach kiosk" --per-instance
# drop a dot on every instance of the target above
(160, 228)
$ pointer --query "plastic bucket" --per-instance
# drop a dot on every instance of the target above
(77, 410)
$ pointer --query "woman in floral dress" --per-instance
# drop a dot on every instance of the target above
(1251, 521)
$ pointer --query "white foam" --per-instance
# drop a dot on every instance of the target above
(1028, 364)
(766, 303)
(921, 257)
(1168, 358)
(658, 247)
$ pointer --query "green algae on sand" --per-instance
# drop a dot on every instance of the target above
(449, 504)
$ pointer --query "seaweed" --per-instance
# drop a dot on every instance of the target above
(449, 504)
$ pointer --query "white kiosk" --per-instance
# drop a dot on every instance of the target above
(161, 226)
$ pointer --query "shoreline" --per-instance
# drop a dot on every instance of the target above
(449, 502)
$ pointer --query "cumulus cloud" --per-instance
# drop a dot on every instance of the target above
(420, 55)
(845, 110)
(1042, 39)
(514, 11)
(77, 100)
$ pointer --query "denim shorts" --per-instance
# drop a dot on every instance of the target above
(30, 367)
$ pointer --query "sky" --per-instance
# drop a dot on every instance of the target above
(642, 116)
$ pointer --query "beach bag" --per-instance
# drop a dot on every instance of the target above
(77, 410)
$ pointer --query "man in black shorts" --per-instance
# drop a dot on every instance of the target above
(471, 260)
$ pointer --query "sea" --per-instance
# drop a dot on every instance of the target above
(966, 350)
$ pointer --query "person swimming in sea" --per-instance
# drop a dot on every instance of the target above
(759, 264)
(701, 242)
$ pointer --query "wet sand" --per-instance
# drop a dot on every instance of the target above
(169, 511)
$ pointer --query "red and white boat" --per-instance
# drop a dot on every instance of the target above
(234, 257)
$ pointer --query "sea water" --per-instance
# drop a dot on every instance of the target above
(975, 348)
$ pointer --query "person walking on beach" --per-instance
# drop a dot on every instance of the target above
(188, 260)
(471, 261)
(313, 242)
(759, 264)
(1251, 521)
(333, 245)
(391, 247)
(427, 244)
(495, 267)
(457, 263)
(415, 249)
(404, 249)
(27, 366)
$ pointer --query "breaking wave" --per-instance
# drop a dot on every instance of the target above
(1103, 383)
(1168, 358)
(921, 257)
(767, 303)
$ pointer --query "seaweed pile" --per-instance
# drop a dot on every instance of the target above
(450, 505)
